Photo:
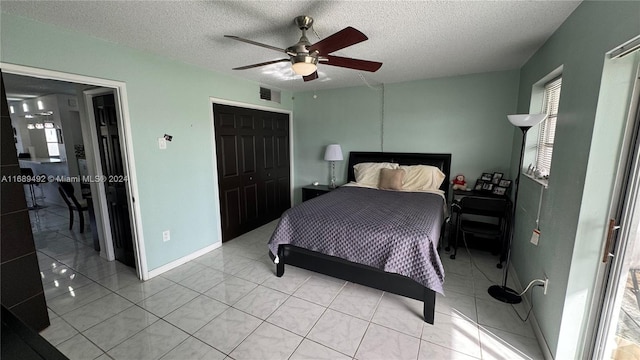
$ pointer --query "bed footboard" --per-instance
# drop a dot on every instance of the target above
(357, 273)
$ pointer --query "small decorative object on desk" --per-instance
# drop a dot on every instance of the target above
(504, 183)
(499, 190)
(478, 186)
(459, 183)
(486, 177)
(495, 179)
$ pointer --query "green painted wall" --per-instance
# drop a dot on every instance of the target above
(576, 204)
(176, 186)
(462, 115)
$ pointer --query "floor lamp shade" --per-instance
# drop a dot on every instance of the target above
(526, 120)
(502, 292)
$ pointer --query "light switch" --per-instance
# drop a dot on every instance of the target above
(162, 143)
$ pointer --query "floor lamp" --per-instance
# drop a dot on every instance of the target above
(502, 292)
(332, 154)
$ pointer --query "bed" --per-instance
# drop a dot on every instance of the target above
(410, 267)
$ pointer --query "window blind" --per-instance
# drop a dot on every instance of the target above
(548, 126)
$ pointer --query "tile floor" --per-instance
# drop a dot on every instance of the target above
(228, 304)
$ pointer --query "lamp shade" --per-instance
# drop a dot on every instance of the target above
(526, 120)
(303, 68)
(333, 153)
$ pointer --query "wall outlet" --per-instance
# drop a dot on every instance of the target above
(166, 235)
(162, 143)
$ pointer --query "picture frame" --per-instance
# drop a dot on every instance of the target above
(486, 177)
(499, 190)
(496, 177)
(478, 186)
(487, 186)
(505, 183)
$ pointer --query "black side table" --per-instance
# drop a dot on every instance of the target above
(311, 191)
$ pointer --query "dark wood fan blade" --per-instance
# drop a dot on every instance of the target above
(340, 40)
(260, 64)
(255, 43)
(310, 77)
(358, 64)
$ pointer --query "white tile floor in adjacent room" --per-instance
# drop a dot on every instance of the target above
(228, 304)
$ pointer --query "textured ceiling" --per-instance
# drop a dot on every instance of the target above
(414, 39)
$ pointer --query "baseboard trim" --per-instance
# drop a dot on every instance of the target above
(183, 260)
(546, 351)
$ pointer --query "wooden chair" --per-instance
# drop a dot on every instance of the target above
(66, 191)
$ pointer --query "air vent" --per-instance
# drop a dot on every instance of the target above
(269, 95)
(265, 94)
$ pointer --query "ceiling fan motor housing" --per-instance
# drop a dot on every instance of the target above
(303, 62)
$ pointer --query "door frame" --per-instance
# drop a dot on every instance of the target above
(124, 123)
(607, 297)
(216, 190)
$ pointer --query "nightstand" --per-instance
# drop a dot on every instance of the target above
(311, 191)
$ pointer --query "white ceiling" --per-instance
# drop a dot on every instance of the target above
(414, 39)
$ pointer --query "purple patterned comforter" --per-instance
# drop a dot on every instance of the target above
(394, 231)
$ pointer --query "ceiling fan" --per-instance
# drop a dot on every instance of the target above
(304, 56)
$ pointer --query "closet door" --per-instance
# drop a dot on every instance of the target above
(274, 172)
(249, 172)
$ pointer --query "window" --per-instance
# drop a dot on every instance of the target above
(548, 127)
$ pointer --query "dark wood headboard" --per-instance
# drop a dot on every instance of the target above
(441, 161)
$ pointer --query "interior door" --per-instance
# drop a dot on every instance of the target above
(104, 108)
(275, 165)
(253, 169)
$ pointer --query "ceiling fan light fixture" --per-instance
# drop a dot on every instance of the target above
(304, 65)
(304, 56)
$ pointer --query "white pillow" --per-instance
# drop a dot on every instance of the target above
(422, 177)
(368, 173)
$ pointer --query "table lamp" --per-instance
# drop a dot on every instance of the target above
(332, 154)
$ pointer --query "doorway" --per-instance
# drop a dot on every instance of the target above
(119, 185)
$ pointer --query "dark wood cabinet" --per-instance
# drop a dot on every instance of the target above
(312, 191)
(252, 149)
